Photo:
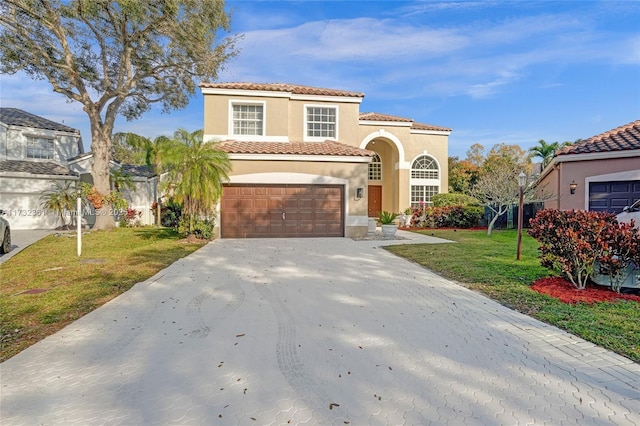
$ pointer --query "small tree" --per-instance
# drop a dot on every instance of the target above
(61, 199)
(497, 184)
(497, 189)
(121, 180)
(197, 170)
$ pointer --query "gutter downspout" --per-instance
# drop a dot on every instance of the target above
(559, 169)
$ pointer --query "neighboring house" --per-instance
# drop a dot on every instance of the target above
(601, 173)
(35, 152)
(140, 198)
(306, 162)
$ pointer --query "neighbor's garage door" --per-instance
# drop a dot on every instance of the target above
(258, 211)
(613, 196)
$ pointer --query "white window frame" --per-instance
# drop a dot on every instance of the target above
(33, 139)
(375, 168)
(232, 104)
(306, 123)
(423, 181)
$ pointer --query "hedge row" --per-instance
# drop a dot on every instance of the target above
(447, 217)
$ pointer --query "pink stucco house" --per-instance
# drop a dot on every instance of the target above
(601, 173)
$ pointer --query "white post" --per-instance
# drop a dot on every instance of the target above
(79, 223)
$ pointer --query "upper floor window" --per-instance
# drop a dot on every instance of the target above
(321, 122)
(375, 168)
(39, 148)
(248, 119)
(425, 167)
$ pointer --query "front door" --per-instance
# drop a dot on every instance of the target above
(375, 200)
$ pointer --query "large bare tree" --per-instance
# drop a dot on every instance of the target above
(116, 58)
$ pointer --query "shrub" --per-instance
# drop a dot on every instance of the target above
(448, 217)
(571, 241)
(454, 199)
(131, 218)
(171, 213)
(621, 249)
(201, 228)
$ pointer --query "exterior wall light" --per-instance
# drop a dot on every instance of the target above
(572, 186)
(359, 193)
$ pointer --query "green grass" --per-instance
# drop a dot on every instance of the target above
(489, 265)
(111, 263)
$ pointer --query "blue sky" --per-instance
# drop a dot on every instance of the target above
(493, 71)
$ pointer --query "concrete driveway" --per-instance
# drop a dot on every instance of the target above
(312, 331)
(22, 238)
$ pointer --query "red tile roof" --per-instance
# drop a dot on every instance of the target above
(374, 116)
(422, 126)
(283, 87)
(294, 148)
(622, 138)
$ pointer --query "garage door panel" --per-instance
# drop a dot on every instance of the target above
(619, 203)
(256, 210)
(620, 187)
(305, 216)
(613, 196)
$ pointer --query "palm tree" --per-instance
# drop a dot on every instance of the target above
(197, 170)
(146, 151)
(545, 150)
(121, 180)
(61, 198)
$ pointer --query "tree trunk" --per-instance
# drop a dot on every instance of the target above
(101, 148)
(493, 222)
(498, 213)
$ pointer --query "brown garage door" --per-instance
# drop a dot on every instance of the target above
(263, 211)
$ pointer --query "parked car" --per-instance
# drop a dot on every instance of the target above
(5, 234)
(630, 212)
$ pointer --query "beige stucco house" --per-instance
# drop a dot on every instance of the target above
(601, 173)
(307, 162)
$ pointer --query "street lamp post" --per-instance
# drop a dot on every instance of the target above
(522, 180)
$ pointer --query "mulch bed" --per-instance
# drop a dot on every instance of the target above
(564, 291)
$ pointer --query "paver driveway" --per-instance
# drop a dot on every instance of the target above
(316, 331)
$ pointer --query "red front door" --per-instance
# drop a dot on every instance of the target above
(375, 200)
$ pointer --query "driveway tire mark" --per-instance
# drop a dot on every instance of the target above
(200, 327)
(290, 364)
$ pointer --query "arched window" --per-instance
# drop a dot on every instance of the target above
(425, 167)
(425, 181)
(375, 168)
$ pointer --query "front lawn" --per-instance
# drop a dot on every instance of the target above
(62, 287)
(489, 265)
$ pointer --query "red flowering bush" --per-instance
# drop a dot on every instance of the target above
(621, 249)
(131, 218)
(572, 241)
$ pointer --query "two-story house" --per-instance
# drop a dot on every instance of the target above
(306, 162)
(35, 152)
